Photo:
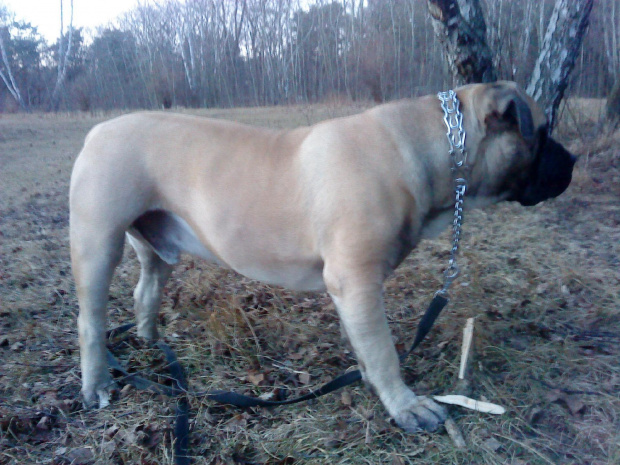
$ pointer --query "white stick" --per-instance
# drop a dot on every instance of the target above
(468, 333)
(472, 404)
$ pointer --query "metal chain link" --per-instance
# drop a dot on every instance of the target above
(453, 119)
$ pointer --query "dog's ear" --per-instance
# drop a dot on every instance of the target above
(504, 105)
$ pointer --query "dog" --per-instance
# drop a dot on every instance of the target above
(335, 206)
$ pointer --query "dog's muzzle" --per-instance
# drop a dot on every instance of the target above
(551, 174)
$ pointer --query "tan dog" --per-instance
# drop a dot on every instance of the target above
(334, 206)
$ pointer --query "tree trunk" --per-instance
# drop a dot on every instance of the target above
(613, 104)
(8, 78)
(460, 27)
(565, 32)
(64, 55)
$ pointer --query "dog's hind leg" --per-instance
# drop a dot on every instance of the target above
(148, 293)
(95, 253)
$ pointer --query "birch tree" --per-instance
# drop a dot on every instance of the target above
(612, 51)
(6, 73)
(64, 55)
(565, 32)
(460, 27)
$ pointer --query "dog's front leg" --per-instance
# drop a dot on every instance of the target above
(357, 294)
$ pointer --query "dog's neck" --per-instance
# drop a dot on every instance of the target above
(437, 204)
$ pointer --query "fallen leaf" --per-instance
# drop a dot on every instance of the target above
(49, 397)
(81, 456)
(331, 442)
(236, 423)
(111, 431)
(127, 389)
(68, 405)
(44, 424)
(299, 354)
(256, 379)
(534, 415)
(345, 398)
(17, 347)
(574, 404)
(127, 437)
(492, 444)
(553, 395)
(268, 395)
(304, 378)
(108, 448)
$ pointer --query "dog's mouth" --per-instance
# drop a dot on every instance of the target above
(550, 176)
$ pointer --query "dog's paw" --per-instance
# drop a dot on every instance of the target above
(93, 398)
(422, 414)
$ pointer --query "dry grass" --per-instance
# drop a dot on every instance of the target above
(543, 284)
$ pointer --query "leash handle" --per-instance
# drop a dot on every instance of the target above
(440, 300)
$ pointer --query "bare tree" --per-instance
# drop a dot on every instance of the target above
(612, 52)
(612, 37)
(459, 26)
(239, 52)
(565, 32)
(64, 56)
(7, 73)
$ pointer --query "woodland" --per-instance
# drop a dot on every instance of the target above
(226, 53)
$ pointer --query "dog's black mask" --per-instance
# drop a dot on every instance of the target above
(550, 174)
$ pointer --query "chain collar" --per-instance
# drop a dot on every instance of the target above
(453, 119)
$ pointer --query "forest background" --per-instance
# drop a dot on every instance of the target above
(225, 53)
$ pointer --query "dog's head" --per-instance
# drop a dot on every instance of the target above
(516, 155)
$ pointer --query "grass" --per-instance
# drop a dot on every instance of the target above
(542, 283)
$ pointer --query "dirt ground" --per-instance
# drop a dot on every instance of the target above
(543, 284)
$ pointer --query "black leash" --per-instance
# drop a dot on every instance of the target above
(179, 385)
(345, 379)
(180, 390)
